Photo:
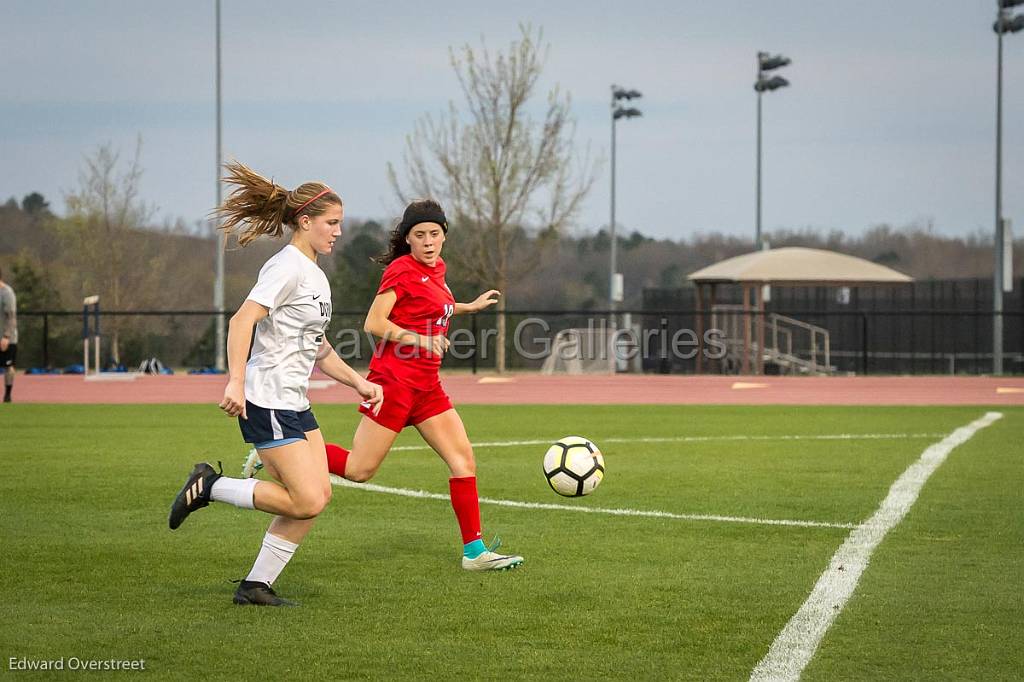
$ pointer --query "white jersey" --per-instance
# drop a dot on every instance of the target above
(8, 313)
(297, 293)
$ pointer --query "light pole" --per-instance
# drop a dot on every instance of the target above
(1005, 23)
(218, 285)
(765, 63)
(614, 286)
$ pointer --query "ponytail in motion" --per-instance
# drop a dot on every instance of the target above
(264, 207)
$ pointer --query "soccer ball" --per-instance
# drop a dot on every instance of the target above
(573, 466)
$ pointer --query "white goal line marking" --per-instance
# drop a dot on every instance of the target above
(422, 494)
(697, 439)
(795, 645)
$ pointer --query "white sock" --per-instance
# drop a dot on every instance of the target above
(236, 491)
(273, 557)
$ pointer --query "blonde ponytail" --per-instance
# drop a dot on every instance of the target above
(264, 207)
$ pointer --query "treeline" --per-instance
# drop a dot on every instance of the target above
(53, 261)
(170, 268)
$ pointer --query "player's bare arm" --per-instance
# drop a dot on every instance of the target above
(239, 333)
(481, 302)
(378, 324)
(331, 364)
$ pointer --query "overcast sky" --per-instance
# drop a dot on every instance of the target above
(890, 116)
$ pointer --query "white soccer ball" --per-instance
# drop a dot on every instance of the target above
(573, 466)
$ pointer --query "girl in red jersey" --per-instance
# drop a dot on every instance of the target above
(410, 315)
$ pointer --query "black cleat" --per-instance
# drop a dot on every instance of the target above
(252, 593)
(195, 494)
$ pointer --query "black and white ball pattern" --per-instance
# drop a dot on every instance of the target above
(573, 466)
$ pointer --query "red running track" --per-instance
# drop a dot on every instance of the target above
(594, 390)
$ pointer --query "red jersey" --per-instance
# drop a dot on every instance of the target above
(424, 305)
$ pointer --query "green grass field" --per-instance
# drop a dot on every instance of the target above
(90, 569)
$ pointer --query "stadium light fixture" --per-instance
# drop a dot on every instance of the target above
(771, 62)
(622, 93)
(765, 63)
(1006, 23)
(769, 84)
(1009, 24)
(614, 284)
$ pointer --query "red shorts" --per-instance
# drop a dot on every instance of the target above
(404, 405)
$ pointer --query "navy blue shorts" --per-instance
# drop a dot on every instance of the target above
(266, 428)
(10, 356)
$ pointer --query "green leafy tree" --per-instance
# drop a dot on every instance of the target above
(35, 204)
(33, 286)
(37, 291)
(356, 276)
(354, 283)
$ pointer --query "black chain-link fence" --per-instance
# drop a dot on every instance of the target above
(911, 341)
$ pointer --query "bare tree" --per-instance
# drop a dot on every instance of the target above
(500, 173)
(104, 216)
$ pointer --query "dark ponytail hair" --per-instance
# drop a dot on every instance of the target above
(419, 211)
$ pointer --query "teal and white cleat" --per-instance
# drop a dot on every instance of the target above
(490, 560)
(252, 464)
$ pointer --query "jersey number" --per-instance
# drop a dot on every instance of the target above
(449, 310)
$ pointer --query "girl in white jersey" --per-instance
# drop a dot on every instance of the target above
(290, 308)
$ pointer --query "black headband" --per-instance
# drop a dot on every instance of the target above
(416, 214)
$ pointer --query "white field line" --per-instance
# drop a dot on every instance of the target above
(422, 494)
(795, 645)
(698, 439)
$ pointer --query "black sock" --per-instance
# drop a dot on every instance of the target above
(7, 391)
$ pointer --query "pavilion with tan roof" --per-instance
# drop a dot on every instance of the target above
(789, 266)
